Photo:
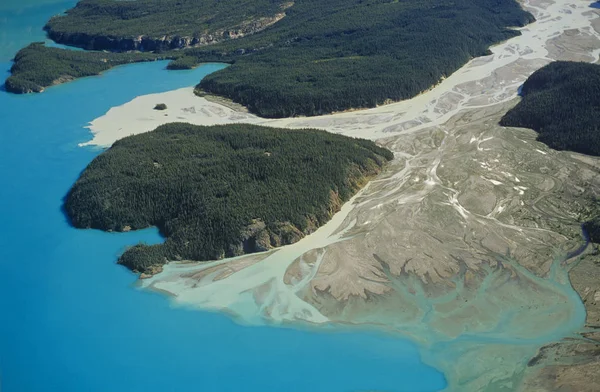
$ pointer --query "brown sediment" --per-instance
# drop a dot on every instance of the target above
(574, 363)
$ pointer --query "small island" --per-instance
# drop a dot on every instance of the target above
(220, 191)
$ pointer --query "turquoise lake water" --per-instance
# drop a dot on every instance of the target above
(71, 320)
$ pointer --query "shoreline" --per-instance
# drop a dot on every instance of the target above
(182, 106)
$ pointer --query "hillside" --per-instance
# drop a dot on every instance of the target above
(220, 191)
(323, 56)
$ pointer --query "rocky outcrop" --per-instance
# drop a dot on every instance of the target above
(19, 86)
(166, 42)
(257, 237)
(151, 271)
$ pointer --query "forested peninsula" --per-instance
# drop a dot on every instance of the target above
(37, 66)
(319, 57)
(220, 191)
(561, 102)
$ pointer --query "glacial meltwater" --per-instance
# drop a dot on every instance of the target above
(72, 320)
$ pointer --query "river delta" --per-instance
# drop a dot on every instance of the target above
(459, 255)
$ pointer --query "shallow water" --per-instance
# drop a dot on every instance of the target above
(72, 320)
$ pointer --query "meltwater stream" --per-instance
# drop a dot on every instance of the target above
(70, 319)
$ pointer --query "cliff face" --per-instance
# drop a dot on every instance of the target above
(166, 42)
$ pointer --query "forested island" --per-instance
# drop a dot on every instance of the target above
(561, 102)
(322, 57)
(220, 191)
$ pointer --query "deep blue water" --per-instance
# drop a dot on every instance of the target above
(71, 320)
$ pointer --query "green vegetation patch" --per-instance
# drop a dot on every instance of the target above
(561, 102)
(220, 191)
(592, 227)
(329, 56)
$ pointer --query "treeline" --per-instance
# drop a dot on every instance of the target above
(340, 54)
(222, 190)
(327, 56)
(561, 102)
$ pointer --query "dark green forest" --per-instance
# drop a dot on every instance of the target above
(327, 56)
(561, 102)
(340, 54)
(220, 191)
(115, 25)
(592, 227)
